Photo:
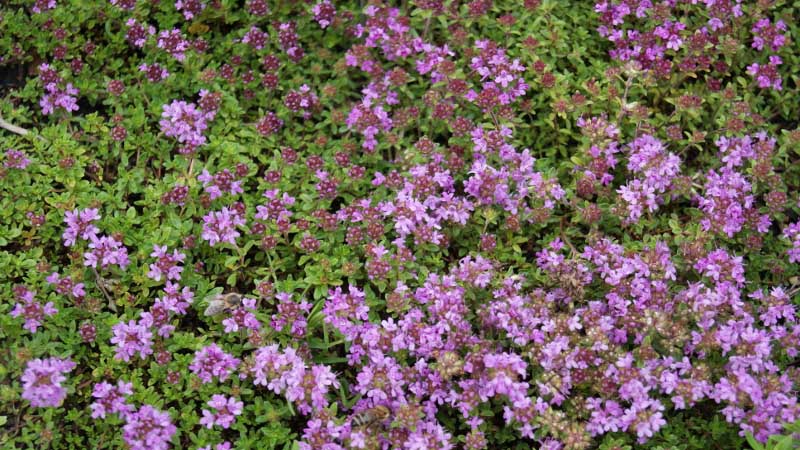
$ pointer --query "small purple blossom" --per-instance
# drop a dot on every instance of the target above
(127, 5)
(105, 251)
(255, 38)
(32, 311)
(210, 361)
(66, 286)
(226, 411)
(792, 232)
(79, 225)
(173, 42)
(219, 183)
(167, 265)
(137, 33)
(59, 97)
(148, 429)
(185, 122)
(16, 159)
(110, 399)
(43, 5)
(767, 75)
(220, 226)
(766, 33)
(130, 339)
(41, 381)
(291, 313)
(242, 317)
(190, 8)
(324, 13)
(154, 72)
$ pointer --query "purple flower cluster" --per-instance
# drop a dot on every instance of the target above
(369, 121)
(269, 124)
(285, 372)
(167, 265)
(226, 411)
(105, 251)
(124, 4)
(43, 5)
(137, 33)
(219, 183)
(185, 122)
(500, 175)
(148, 429)
(425, 201)
(16, 159)
(210, 361)
(132, 338)
(66, 286)
(289, 41)
(41, 382)
(324, 13)
(190, 8)
(111, 399)
(175, 300)
(302, 100)
(32, 311)
(276, 208)
(154, 72)
(255, 38)
(792, 232)
(79, 225)
(501, 78)
(766, 75)
(291, 313)
(58, 94)
(136, 336)
(220, 226)
(663, 38)
(173, 42)
(728, 203)
(656, 167)
(242, 317)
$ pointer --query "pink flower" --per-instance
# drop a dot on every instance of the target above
(148, 429)
(105, 251)
(33, 311)
(220, 226)
(79, 224)
(185, 122)
(41, 381)
(16, 159)
(111, 399)
(173, 42)
(227, 410)
(210, 361)
(130, 339)
(324, 13)
(167, 265)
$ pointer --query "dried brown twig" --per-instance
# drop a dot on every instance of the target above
(16, 129)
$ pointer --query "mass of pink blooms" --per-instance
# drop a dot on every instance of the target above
(425, 254)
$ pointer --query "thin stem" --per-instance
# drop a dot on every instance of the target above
(17, 130)
(623, 107)
(190, 170)
(272, 269)
(99, 281)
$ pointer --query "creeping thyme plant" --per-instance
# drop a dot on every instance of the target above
(527, 224)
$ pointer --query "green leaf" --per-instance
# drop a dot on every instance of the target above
(231, 280)
(753, 442)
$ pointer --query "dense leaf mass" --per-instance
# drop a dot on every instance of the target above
(416, 224)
